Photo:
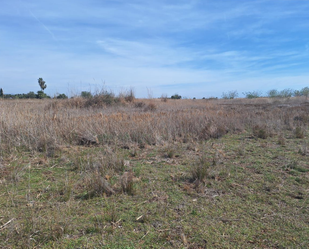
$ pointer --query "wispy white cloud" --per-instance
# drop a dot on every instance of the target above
(168, 46)
(44, 26)
(147, 53)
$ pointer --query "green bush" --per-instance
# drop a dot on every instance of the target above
(42, 95)
(62, 96)
(176, 96)
(286, 93)
(86, 94)
(253, 94)
(305, 92)
(273, 93)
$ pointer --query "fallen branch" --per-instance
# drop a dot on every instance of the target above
(4, 225)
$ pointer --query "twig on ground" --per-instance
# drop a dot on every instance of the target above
(4, 225)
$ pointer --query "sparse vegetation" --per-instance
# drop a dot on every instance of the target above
(106, 171)
(253, 94)
(164, 97)
(285, 93)
(305, 92)
(230, 95)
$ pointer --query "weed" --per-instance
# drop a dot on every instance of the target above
(129, 95)
(199, 170)
(139, 104)
(112, 214)
(134, 152)
(96, 185)
(164, 98)
(260, 131)
(170, 152)
(299, 133)
(127, 183)
(303, 149)
(150, 107)
(281, 140)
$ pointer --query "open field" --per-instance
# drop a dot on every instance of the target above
(146, 173)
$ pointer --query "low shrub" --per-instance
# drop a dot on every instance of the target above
(139, 104)
(150, 107)
(299, 133)
(260, 131)
(97, 185)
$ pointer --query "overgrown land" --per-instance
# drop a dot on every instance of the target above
(106, 172)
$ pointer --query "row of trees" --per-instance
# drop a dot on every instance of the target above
(285, 93)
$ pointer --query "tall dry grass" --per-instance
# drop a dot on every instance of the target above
(45, 125)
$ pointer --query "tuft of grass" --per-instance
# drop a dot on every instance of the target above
(129, 96)
(151, 107)
(170, 152)
(97, 185)
(260, 132)
(139, 104)
(281, 140)
(200, 169)
(299, 133)
(127, 183)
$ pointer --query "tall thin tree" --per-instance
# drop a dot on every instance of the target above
(42, 83)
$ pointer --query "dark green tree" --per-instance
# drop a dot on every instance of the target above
(1, 92)
(176, 96)
(62, 96)
(42, 83)
(86, 95)
(42, 95)
(31, 95)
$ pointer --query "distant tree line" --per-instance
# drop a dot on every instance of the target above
(273, 93)
(32, 95)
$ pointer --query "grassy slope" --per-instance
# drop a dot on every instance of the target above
(254, 195)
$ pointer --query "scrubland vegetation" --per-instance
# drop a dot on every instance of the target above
(120, 172)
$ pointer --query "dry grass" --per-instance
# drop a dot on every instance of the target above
(150, 173)
(45, 125)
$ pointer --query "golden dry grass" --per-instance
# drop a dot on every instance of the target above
(32, 123)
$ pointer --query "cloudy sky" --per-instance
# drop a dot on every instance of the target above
(196, 48)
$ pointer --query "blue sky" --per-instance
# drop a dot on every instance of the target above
(194, 48)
